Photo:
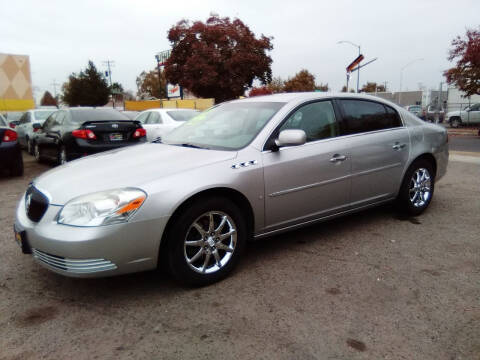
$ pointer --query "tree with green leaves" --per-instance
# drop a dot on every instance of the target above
(48, 99)
(87, 88)
(149, 84)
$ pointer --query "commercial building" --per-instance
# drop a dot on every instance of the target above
(15, 83)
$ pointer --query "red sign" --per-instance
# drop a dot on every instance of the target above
(355, 63)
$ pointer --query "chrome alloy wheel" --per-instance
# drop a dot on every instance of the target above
(420, 188)
(210, 242)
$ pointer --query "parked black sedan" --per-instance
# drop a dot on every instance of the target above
(10, 152)
(73, 133)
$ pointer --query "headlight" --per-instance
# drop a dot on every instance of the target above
(102, 208)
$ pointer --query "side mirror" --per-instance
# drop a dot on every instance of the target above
(291, 138)
(36, 126)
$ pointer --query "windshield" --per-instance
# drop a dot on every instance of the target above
(13, 116)
(182, 115)
(43, 114)
(229, 126)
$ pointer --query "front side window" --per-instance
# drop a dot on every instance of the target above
(316, 119)
(363, 116)
(228, 126)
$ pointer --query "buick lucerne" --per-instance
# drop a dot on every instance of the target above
(241, 170)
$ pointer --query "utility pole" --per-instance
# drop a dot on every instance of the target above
(54, 84)
(110, 63)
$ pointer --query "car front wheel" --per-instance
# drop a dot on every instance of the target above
(206, 241)
(455, 122)
(417, 187)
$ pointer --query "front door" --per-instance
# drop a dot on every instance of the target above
(311, 180)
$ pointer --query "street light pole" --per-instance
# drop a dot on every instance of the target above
(359, 53)
(401, 79)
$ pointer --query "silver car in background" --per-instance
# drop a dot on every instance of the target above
(243, 169)
(25, 128)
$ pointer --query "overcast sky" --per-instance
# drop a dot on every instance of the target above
(61, 36)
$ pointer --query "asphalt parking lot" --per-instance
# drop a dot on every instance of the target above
(374, 285)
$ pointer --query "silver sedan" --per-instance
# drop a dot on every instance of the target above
(242, 170)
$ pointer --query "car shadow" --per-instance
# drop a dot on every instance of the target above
(158, 282)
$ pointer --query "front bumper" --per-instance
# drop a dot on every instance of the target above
(91, 251)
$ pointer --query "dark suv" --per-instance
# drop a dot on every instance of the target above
(72, 133)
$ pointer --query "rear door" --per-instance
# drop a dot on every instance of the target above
(379, 146)
(311, 180)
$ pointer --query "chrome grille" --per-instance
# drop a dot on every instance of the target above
(76, 266)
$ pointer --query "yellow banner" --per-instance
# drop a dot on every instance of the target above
(16, 105)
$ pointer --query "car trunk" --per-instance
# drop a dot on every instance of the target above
(112, 132)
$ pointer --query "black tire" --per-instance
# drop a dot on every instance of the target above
(62, 155)
(409, 189)
(182, 230)
(17, 166)
(455, 122)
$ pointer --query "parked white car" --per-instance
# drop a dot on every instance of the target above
(25, 127)
(158, 122)
(468, 116)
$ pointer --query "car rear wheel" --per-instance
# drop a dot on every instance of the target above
(206, 241)
(36, 152)
(29, 146)
(417, 188)
(455, 122)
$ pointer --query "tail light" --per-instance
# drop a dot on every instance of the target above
(141, 132)
(12, 125)
(84, 134)
(9, 136)
(36, 129)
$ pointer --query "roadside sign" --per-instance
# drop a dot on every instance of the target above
(174, 91)
(162, 57)
(355, 63)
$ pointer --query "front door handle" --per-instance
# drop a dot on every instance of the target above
(337, 158)
(398, 146)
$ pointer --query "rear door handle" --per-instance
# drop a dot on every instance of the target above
(337, 158)
(398, 146)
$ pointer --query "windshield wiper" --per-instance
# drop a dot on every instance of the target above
(190, 146)
(158, 140)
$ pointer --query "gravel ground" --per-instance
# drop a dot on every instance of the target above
(374, 285)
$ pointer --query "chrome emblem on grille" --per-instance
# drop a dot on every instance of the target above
(114, 126)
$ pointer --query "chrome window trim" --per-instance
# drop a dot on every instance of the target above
(336, 138)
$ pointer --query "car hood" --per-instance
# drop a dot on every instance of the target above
(126, 167)
(454, 113)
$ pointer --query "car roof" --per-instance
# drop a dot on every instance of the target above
(305, 96)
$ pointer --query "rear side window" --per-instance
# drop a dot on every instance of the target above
(316, 119)
(155, 118)
(83, 115)
(364, 116)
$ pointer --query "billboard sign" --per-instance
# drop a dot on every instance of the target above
(174, 91)
(162, 57)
